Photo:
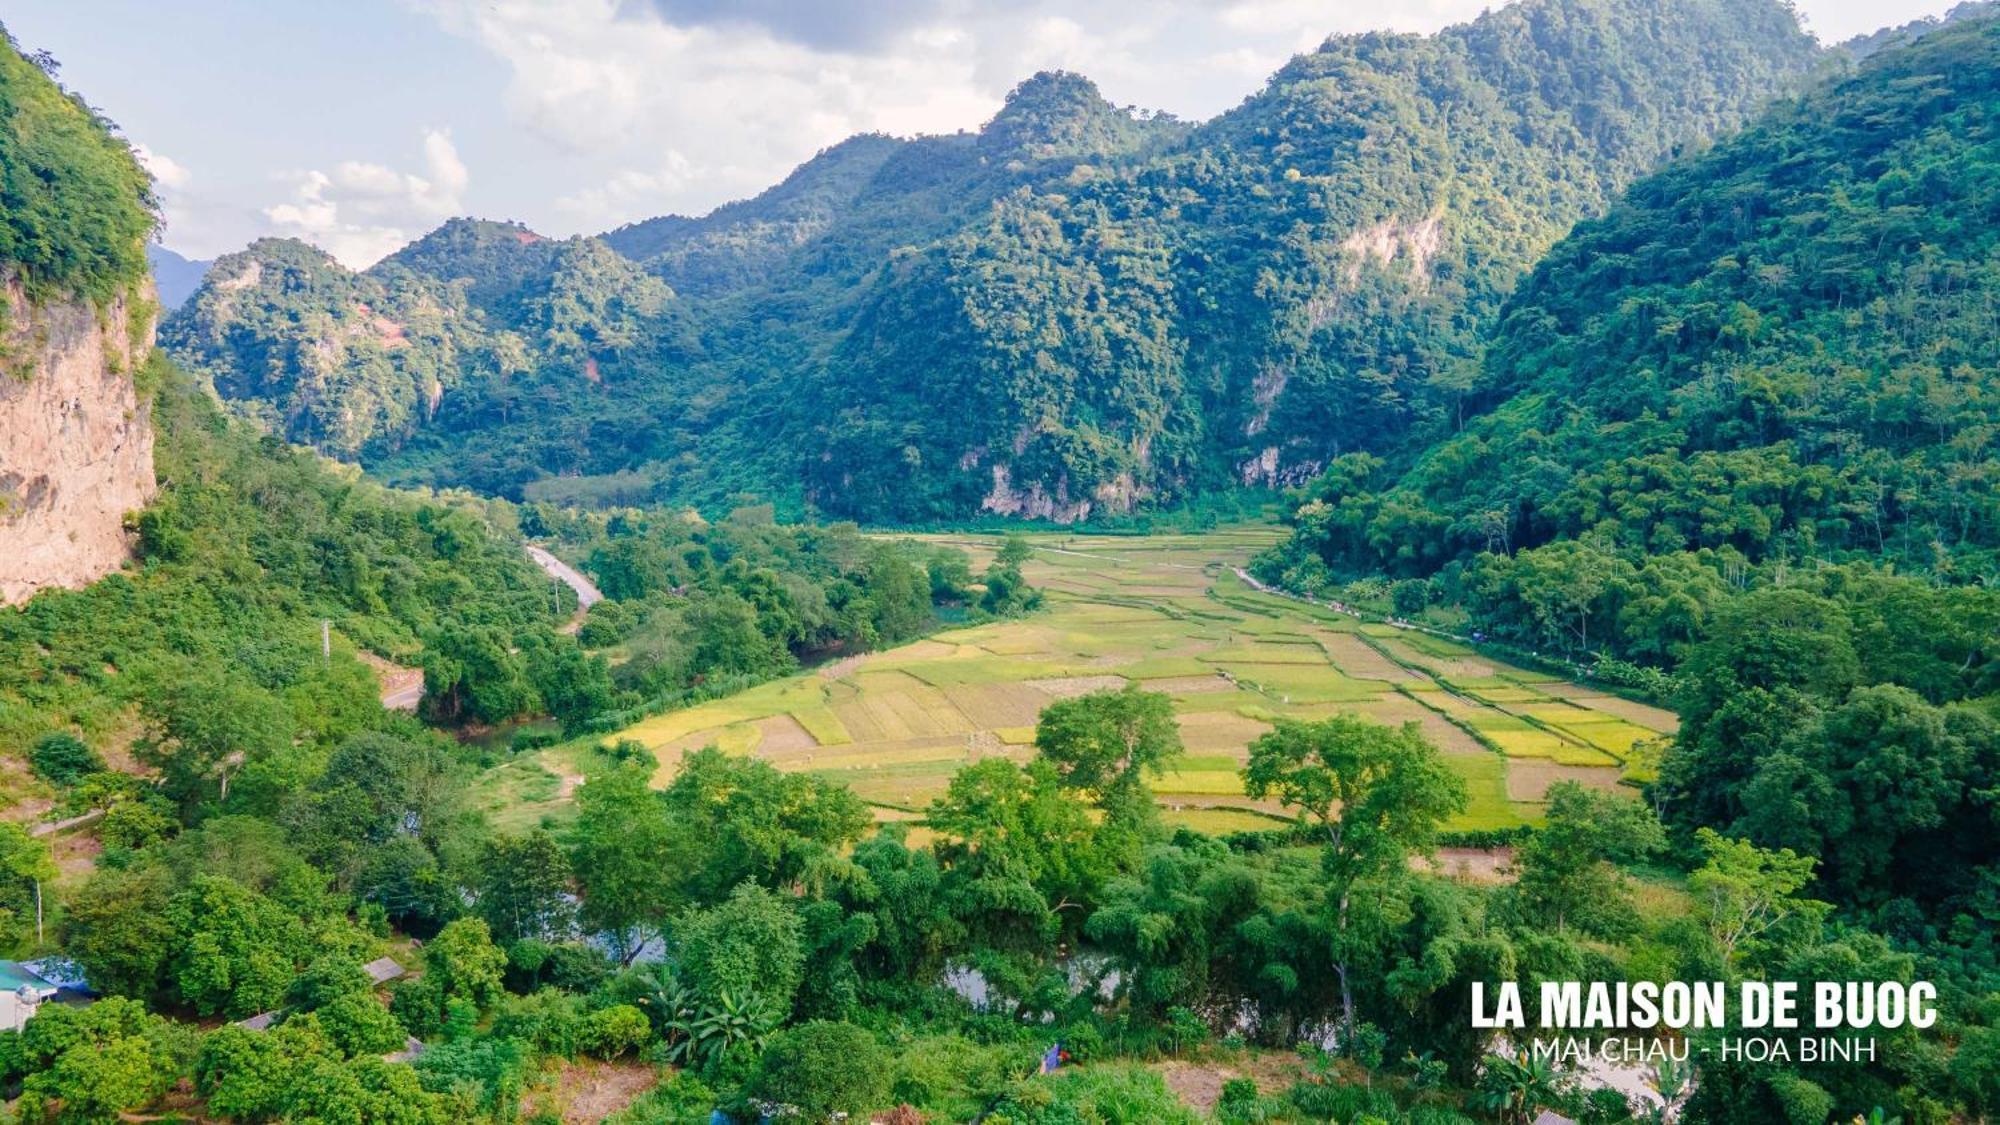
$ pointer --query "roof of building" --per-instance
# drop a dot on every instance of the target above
(262, 1021)
(382, 970)
(15, 976)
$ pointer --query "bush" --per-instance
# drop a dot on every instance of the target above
(359, 1025)
(1239, 1101)
(63, 759)
(617, 1030)
(822, 1068)
(934, 1071)
(549, 1020)
(1104, 1093)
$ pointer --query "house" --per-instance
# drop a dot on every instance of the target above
(382, 970)
(262, 1021)
(1551, 1117)
(22, 993)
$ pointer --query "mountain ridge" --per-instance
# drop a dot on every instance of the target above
(1132, 310)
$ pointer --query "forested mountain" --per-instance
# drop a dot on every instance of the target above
(1120, 309)
(1736, 439)
(483, 315)
(1781, 347)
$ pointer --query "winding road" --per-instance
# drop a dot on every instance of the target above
(403, 688)
(587, 593)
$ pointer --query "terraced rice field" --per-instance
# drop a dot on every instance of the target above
(1170, 613)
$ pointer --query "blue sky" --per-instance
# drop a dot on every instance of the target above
(360, 124)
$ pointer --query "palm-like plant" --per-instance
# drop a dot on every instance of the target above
(1513, 1089)
(702, 1030)
(1671, 1080)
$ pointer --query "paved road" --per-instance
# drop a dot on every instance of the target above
(403, 688)
(587, 595)
(404, 696)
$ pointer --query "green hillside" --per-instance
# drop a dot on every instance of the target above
(1780, 347)
(1122, 310)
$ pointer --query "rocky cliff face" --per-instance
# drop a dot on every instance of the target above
(76, 442)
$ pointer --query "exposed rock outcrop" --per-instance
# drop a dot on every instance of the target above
(76, 441)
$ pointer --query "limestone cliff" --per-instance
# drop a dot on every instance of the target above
(76, 439)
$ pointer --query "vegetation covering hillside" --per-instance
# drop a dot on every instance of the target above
(476, 321)
(1739, 453)
(1780, 347)
(75, 207)
(253, 832)
(1122, 310)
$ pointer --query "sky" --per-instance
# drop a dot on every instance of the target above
(361, 124)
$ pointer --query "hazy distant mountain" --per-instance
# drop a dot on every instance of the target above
(177, 277)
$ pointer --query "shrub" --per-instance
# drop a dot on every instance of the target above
(822, 1068)
(63, 759)
(617, 1030)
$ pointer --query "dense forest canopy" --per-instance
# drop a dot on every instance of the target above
(1781, 347)
(1727, 446)
(1124, 310)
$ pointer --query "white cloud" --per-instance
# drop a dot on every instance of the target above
(167, 172)
(680, 105)
(661, 117)
(360, 212)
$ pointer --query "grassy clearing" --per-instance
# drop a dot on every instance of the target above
(1169, 613)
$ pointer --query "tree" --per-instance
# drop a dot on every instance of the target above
(822, 1068)
(25, 866)
(209, 728)
(235, 951)
(751, 944)
(1566, 878)
(1376, 793)
(358, 1024)
(575, 687)
(748, 820)
(62, 759)
(523, 889)
(1170, 926)
(471, 675)
(465, 963)
(626, 853)
(1018, 851)
(1107, 741)
(1746, 894)
(116, 926)
(97, 1062)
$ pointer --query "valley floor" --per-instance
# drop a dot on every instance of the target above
(1172, 613)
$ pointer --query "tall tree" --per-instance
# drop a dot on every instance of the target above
(1106, 742)
(627, 854)
(1376, 793)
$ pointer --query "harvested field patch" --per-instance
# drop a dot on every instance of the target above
(783, 734)
(1529, 781)
(1069, 687)
(1188, 685)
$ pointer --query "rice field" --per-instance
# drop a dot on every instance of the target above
(1170, 613)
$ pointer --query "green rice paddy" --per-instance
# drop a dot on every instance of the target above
(1168, 612)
